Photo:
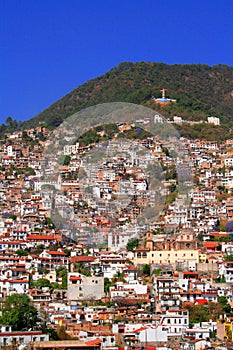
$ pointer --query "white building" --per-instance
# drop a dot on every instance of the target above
(213, 120)
(158, 119)
(125, 289)
(81, 287)
(177, 120)
(12, 286)
(19, 339)
(70, 149)
(175, 321)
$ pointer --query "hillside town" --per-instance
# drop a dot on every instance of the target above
(113, 254)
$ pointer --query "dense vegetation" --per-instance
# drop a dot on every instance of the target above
(200, 91)
(109, 131)
(19, 312)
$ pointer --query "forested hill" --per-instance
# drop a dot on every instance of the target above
(200, 91)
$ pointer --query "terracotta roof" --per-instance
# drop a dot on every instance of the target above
(75, 278)
(139, 329)
(20, 333)
(12, 242)
(56, 252)
(141, 249)
(19, 281)
(40, 237)
(63, 344)
(211, 244)
(93, 342)
(201, 301)
(74, 259)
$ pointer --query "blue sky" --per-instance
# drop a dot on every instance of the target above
(49, 47)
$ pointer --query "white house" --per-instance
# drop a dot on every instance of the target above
(176, 321)
(20, 339)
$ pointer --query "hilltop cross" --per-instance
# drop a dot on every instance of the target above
(163, 92)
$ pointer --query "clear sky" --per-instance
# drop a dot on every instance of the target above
(49, 47)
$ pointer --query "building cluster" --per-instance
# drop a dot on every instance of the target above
(63, 238)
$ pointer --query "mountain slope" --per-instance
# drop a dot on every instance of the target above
(200, 91)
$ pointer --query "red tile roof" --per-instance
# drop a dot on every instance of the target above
(75, 259)
(93, 342)
(201, 301)
(40, 237)
(56, 252)
(211, 244)
(75, 278)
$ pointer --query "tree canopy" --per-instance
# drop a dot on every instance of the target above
(19, 313)
(132, 243)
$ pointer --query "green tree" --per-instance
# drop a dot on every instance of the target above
(13, 216)
(67, 251)
(132, 243)
(84, 270)
(29, 171)
(146, 270)
(61, 272)
(21, 252)
(166, 151)
(119, 277)
(228, 257)
(198, 313)
(172, 188)
(42, 283)
(43, 270)
(171, 173)
(18, 312)
(66, 160)
(225, 305)
(107, 285)
(62, 335)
